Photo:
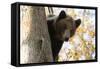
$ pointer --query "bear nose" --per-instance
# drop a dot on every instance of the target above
(66, 39)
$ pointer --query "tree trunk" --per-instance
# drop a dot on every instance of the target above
(35, 44)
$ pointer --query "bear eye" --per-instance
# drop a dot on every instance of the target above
(65, 27)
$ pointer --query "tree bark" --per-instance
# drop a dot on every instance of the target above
(35, 44)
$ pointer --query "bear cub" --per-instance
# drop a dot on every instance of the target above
(61, 28)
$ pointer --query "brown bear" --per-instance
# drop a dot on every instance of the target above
(60, 29)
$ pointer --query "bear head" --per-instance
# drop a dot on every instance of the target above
(65, 26)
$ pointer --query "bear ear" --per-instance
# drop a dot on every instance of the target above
(62, 15)
(77, 22)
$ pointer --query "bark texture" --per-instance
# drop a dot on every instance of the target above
(35, 44)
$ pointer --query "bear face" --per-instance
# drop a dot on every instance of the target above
(60, 29)
(65, 26)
